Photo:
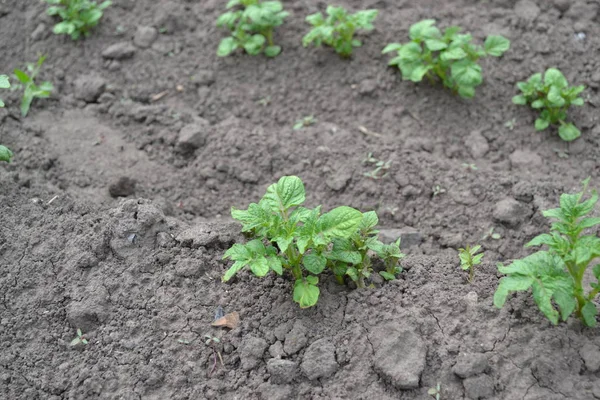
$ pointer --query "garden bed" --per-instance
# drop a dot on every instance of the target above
(114, 222)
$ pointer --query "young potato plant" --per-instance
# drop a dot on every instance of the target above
(469, 259)
(5, 153)
(251, 25)
(305, 242)
(449, 57)
(557, 274)
(78, 16)
(552, 96)
(30, 89)
(337, 30)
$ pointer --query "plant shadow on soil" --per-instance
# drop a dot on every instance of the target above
(141, 278)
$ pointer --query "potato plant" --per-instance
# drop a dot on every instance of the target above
(288, 237)
(5, 153)
(556, 275)
(449, 57)
(469, 259)
(30, 89)
(78, 16)
(251, 23)
(338, 29)
(552, 96)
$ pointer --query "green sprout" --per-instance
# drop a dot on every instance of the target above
(79, 339)
(251, 25)
(449, 57)
(435, 392)
(552, 96)
(30, 89)
(305, 122)
(5, 153)
(78, 16)
(338, 29)
(556, 275)
(469, 259)
(381, 167)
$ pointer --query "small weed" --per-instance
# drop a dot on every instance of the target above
(251, 25)
(471, 167)
(436, 391)
(213, 342)
(469, 259)
(490, 234)
(265, 101)
(79, 339)
(510, 124)
(437, 190)
(305, 122)
(338, 29)
(551, 95)
(30, 89)
(5, 153)
(449, 57)
(381, 167)
(78, 16)
(561, 153)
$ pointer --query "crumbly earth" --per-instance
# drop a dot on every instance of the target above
(115, 211)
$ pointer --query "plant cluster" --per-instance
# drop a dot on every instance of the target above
(556, 275)
(305, 242)
(337, 30)
(469, 259)
(30, 89)
(5, 153)
(251, 24)
(78, 16)
(381, 167)
(552, 95)
(450, 57)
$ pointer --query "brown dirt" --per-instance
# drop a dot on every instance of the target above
(141, 278)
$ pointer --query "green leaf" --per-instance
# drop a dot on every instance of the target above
(315, 19)
(340, 222)
(26, 103)
(314, 263)
(466, 73)
(286, 193)
(391, 47)
(238, 265)
(589, 312)
(254, 44)
(4, 82)
(540, 240)
(555, 97)
(454, 53)
(541, 124)
(510, 284)
(306, 294)
(387, 276)
(352, 272)
(346, 256)
(5, 154)
(275, 265)
(589, 222)
(22, 76)
(259, 266)
(496, 45)
(410, 52)
(227, 46)
(369, 221)
(466, 92)
(272, 51)
(519, 100)
(537, 104)
(568, 132)
(553, 77)
(424, 30)
(419, 72)
(435, 44)
(577, 102)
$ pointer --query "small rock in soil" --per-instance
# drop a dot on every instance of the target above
(319, 360)
(581, 10)
(88, 314)
(477, 144)
(40, 32)
(295, 340)
(276, 350)
(367, 87)
(409, 237)
(192, 136)
(207, 234)
(511, 212)
(479, 387)
(203, 77)
(119, 51)
(399, 354)
(251, 352)
(275, 392)
(123, 187)
(470, 364)
(591, 356)
(562, 5)
(282, 371)
(527, 10)
(145, 36)
(523, 191)
(89, 88)
(525, 158)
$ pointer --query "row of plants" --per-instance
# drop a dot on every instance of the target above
(288, 238)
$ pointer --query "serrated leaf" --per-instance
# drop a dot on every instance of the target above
(391, 47)
(5, 154)
(510, 284)
(541, 124)
(227, 46)
(314, 263)
(286, 193)
(369, 221)
(539, 240)
(340, 222)
(466, 73)
(568, 132)
(589, 312)
(387, 276)
(305, 293)
(259, 266)
(566, 304)
(234, 269)
(496, 45)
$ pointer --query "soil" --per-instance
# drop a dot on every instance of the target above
(115, 210)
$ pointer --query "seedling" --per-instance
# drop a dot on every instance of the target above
(471, 167)
(391, 255)
(469, 259)
(305, 122)
(78, 16)
(302, 241)
(436, 391)
(552, 96)
(213, 342)
(30, 89)
(251, 23)
(510, 124)
(79, 339)
(490, 234)
(5, 153)
(449, 57)
(338, 29)
(437, 190)
(381, 167)
(556, 274)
